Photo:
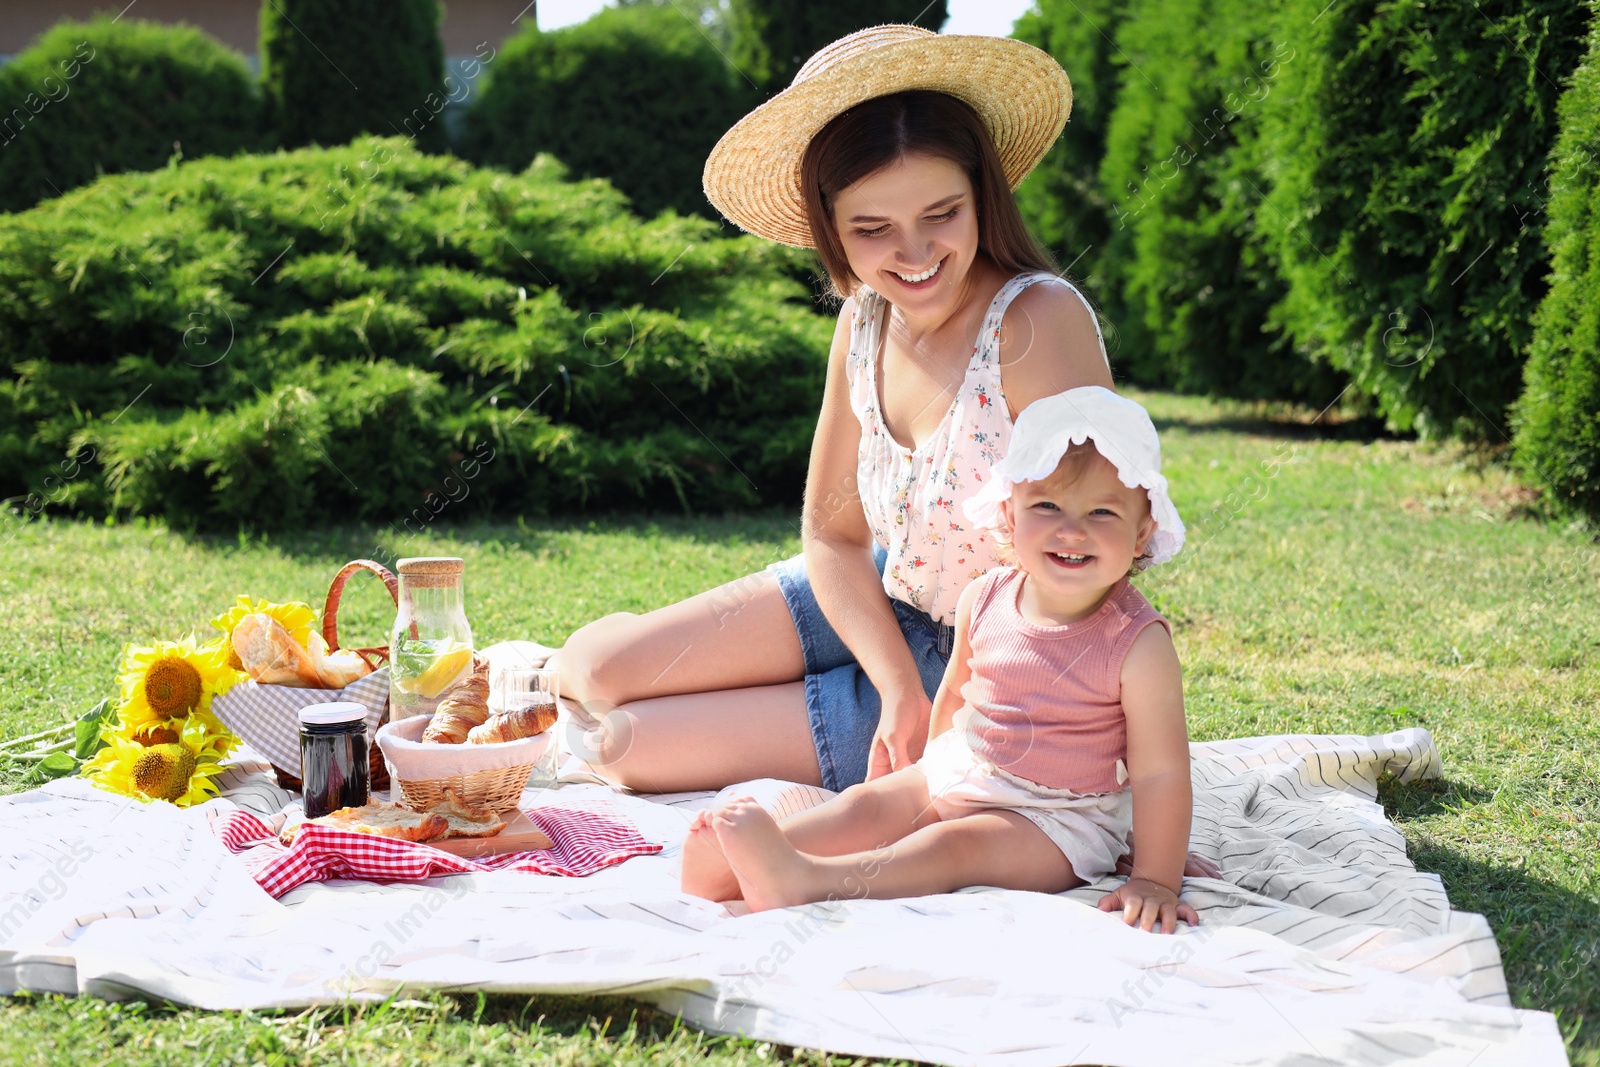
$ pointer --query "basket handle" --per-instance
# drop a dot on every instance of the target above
(330, 611)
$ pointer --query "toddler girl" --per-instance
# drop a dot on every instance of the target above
(1059, 725)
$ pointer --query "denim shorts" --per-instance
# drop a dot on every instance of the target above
(841, 701)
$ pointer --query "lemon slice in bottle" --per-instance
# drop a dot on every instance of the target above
(448, 665)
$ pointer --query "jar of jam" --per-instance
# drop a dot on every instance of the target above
(333, 756)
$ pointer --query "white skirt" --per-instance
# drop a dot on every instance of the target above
(1090, 829)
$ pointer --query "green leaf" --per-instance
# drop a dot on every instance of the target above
(56, 765)
(88, 730)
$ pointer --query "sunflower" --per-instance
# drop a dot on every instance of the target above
(296, 617)
(215, 736)
(173, 679)
(179, 771)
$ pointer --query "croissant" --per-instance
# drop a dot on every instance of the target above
(271, 656)
(464, 706)
(511, 725)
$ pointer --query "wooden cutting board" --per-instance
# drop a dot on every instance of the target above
(521, 834)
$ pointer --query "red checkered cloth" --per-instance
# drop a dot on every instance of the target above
(585, 841)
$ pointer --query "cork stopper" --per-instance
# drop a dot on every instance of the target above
(431, 572)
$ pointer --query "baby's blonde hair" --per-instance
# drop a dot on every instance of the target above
(1073, 466)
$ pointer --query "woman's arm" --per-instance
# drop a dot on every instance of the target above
(947, 701)
(1048, 345)
(838, 550)
(1158, 771)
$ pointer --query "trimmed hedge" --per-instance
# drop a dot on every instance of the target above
(1557, 419)
(1062, 200)
(333, 69)
(1190, 284)
(341, 333)
(772, 39)
(97, 97)
(635, 94)
(1408, 140)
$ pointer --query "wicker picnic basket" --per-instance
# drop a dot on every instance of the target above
(267, 716)
(489, 776)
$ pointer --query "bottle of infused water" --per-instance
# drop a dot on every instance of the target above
(430, 647)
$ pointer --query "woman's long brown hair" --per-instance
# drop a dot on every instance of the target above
(876, 133)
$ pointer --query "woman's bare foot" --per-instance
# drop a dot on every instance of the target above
(705, 870)
(770, 872)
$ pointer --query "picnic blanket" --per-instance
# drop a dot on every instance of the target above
(1321, 945)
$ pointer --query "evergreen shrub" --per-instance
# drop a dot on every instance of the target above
(1062, 200)
(331, 333)
(636, 94)
(1557, 418)
(102, 97)
(1191, 284)
(1408, 141)
(333, 69)
(772, 39)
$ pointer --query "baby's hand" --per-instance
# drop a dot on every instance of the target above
(1194, 866)
(1145, 903)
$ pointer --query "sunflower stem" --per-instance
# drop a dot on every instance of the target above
(41, 753)
(19, 742)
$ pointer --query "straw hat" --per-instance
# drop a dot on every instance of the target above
(1022, 95)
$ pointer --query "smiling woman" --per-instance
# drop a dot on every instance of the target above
(894, 154)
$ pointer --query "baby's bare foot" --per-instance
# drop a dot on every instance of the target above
(771, 873)
(705, 870)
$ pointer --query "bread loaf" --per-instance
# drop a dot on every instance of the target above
(271, 656)
(464, 706)
(383, 820)
(335, 669)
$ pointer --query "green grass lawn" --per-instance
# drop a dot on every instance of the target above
(1333, 583)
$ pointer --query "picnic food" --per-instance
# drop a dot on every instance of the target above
(271, 656)
(334, 767)
(463, 707)
(526, 721)
(447, 819)
(296, 617)
(466, 820)
(336, 669)
(383, 820)
(269, 653)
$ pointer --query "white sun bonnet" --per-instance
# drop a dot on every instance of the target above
(1122, 432)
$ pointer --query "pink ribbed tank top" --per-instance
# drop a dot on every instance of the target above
(1044, 703)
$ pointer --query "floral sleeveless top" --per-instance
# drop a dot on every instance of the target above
(912, 497)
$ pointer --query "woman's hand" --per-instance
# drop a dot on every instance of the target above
(1145, 903)
(902, 731)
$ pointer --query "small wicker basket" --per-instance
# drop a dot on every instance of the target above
(489, 776)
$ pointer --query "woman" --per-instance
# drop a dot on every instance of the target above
(894, 154)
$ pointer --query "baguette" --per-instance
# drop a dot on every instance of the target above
(271, 656)
(336, 669)
(383, 820)
(465, 820)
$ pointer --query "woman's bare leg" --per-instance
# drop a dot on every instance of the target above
(709, 740)
(735, 636)
(998, 848)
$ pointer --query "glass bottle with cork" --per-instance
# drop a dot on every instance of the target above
(430, 647)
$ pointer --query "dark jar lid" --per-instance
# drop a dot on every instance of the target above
(335, 716)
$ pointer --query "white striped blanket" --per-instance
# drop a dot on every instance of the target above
(1322, 945)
